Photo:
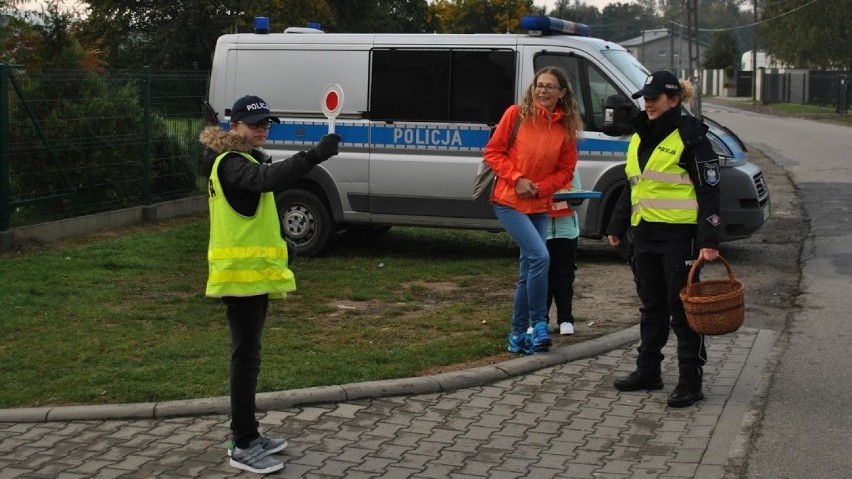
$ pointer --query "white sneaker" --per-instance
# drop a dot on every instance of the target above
(566, 328)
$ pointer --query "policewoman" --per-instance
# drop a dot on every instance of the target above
(247, 257)
(670, 215)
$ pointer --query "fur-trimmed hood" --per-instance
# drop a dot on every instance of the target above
(219, 141)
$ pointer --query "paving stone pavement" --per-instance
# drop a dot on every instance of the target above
(564, 421)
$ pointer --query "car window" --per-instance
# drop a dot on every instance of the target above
(600, 87)
(441, 85)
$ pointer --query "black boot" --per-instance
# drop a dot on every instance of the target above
(685, 396)
(639, 380)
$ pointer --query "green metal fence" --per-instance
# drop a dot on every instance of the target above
(74, 143)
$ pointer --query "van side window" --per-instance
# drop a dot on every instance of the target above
(599, 89)
(441, 85)
(582, 72)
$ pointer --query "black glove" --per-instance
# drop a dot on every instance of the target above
(327, 146)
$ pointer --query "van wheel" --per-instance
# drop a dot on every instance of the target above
(305, 221)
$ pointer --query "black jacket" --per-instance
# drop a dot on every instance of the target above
(244, 181)
(698, 159)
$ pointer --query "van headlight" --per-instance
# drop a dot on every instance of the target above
(719, 147)
(727, 158)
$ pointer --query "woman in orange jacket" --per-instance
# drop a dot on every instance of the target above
(539, 161)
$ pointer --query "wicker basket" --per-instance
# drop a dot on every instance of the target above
(714, 307)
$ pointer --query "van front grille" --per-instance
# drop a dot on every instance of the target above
(760, 184)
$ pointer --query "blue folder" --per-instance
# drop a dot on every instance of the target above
(576, 194)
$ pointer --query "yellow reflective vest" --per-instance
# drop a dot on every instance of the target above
(246, 255)
(663, 192)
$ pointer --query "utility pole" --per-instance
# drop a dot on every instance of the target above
(754, 55)
(671, 48)
(694, 53)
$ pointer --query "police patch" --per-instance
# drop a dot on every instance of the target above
(710, 172)
(714, 220)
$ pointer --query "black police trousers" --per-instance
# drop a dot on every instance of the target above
(661, 269)
(246, 317)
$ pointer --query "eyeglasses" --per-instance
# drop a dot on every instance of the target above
(264, 124)
(547, 87)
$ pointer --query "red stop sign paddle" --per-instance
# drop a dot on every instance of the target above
(332, 103)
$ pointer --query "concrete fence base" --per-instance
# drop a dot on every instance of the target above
(72, 227)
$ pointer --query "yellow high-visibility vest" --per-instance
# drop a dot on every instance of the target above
(663, 192)
(246, 255)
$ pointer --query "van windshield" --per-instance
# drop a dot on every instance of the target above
(629, 65)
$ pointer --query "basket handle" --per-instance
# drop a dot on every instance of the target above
(694, 268)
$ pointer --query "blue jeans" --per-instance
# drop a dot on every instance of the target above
(529, 232)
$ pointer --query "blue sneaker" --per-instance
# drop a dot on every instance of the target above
(540, 339)
(520, 343)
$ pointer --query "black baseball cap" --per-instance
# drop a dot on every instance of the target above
(251, 109)
(658, 83)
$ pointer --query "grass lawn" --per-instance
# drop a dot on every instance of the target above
(121, 316)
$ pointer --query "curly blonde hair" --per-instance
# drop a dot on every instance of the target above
(687, 89)
(571, 120)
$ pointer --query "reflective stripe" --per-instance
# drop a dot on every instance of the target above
(661, 204)
(250, 276)
(271, 252)
(674, 178)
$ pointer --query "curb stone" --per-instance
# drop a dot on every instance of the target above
(438, 383)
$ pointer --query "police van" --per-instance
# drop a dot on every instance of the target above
(417, 111)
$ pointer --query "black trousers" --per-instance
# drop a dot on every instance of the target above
(560, 277)
(246, 317)
(661, 269)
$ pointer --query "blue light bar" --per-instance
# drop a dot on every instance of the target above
(261, 25)
(546, 25)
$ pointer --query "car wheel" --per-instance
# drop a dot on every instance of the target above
(305, 220)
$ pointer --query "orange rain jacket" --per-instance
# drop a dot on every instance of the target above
(541, 153)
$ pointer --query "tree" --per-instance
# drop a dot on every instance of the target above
(18, 39)
(478, 16)
(288, 13)
(96, 119)
(375, 16)
(723, 53)
(182, 34)
(621, 21)
(44, 39)
(808, 34)
(158, 33)
(577, 11)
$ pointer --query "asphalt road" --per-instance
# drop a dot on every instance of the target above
(803, 427)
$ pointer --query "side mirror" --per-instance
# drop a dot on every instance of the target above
(617, 113)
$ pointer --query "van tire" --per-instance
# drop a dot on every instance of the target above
(305, 220)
